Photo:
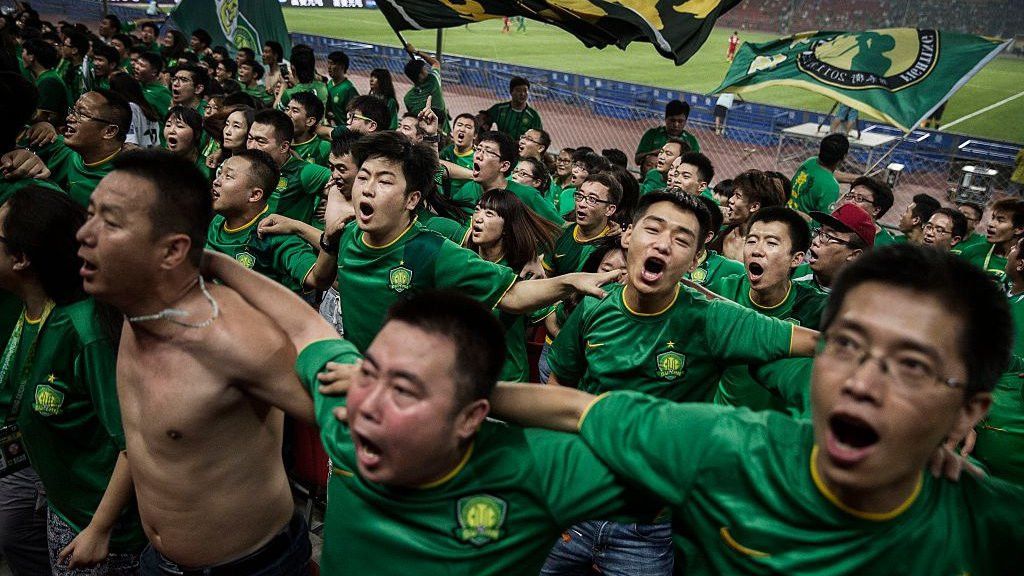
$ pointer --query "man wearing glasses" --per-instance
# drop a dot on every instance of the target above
(596, 201)
(844, 236)
(945, 229)
(874, 197)
(493, 160)
(188, 84)
(94, 134)
(913, 342)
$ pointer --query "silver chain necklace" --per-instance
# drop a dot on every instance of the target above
(172, 314)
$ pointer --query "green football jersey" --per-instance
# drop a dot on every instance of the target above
(497, 513)
(318, 88)
(316, 150)
(677, 354)
(416, 98)
(565, 202)
(712, 266)
(470, 193)
(514, 122)
(654, 180)
(158, 96)
(884, 237)
(452, 155)
(284, 258)
(571, 250)
(338, 97)
(68, 171)
(446, 227)
(802, 306)
(814, 188)
(972, 240)
(654, 138)
(299, 189)
(983, 256)
(259, 93)
(54, 95)
(746, 498)
(71, 421)
(371, 278)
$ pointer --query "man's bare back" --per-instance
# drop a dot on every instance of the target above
(203, 439)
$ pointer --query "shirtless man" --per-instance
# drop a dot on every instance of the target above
(199, 373)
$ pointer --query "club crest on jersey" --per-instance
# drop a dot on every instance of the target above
(282, 183)
(246, 259)
(48, 400)
(699, 275)
(400, 278)
(671, 365)
(481, 519)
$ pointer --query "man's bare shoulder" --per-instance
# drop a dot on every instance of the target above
(242, 337)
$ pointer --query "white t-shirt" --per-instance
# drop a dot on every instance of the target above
(726, 99)
(144, 133)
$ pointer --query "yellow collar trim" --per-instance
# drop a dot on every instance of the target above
(454, 471)
(578, 239)
(750, 295)
(874, 516)
(399, 237)
(32, 321)
(247, 224)
(107, 159)
(658, 313)
(306, 142)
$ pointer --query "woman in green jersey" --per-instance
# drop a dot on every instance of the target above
(382, 86)
(504, 231)
(58, 372)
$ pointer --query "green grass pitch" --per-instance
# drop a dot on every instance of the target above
(548, 47)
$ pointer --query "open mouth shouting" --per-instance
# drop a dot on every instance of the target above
(653, 270)
(755, 272)
(850, 439)
(364, 212)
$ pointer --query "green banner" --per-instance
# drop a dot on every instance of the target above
(900, 75)
(676, 28)
(235, 23)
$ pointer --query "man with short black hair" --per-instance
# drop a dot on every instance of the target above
(777, 239)
(945, 229)
(74, 67)
(915, 216)
(109, 25)
(305, 111)
(340, 90)
(493, 161)
(876, 198)
(40, 59)
(516, 116)
(842, 237)
(301, 184)
(691, 172)
(273, 58)
(147, 68)
(184, 344)
(972, 212)
(460, 151)
(149, 33)
(752, 190)
(814, 186)
(250, 72)
(676, 114)
(188, 86)
(655, 178)
(199, 42)
(596, 201)
(104, 63)
(225, 70)
(1005, 227)
(534, 143)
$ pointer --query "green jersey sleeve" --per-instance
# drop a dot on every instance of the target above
(311, 361)
(739, 335)
(790, 378)
(475, 277)
(657, 444)
(295, 258)
(565, 357)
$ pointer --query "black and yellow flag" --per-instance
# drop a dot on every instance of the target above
(676, 28)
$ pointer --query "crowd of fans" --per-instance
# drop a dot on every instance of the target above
(195, 244)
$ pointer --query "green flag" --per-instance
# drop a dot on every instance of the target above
(900, 75)
(676, 28)
(235, 23)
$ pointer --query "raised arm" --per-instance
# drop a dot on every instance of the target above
(805, 341)
(552, 407)
(301, 323)
(532, 295)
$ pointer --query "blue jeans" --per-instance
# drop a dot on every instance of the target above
(543, 368)
(287, 554)
(613, 549)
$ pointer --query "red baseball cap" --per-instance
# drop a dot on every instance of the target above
(849, 218)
